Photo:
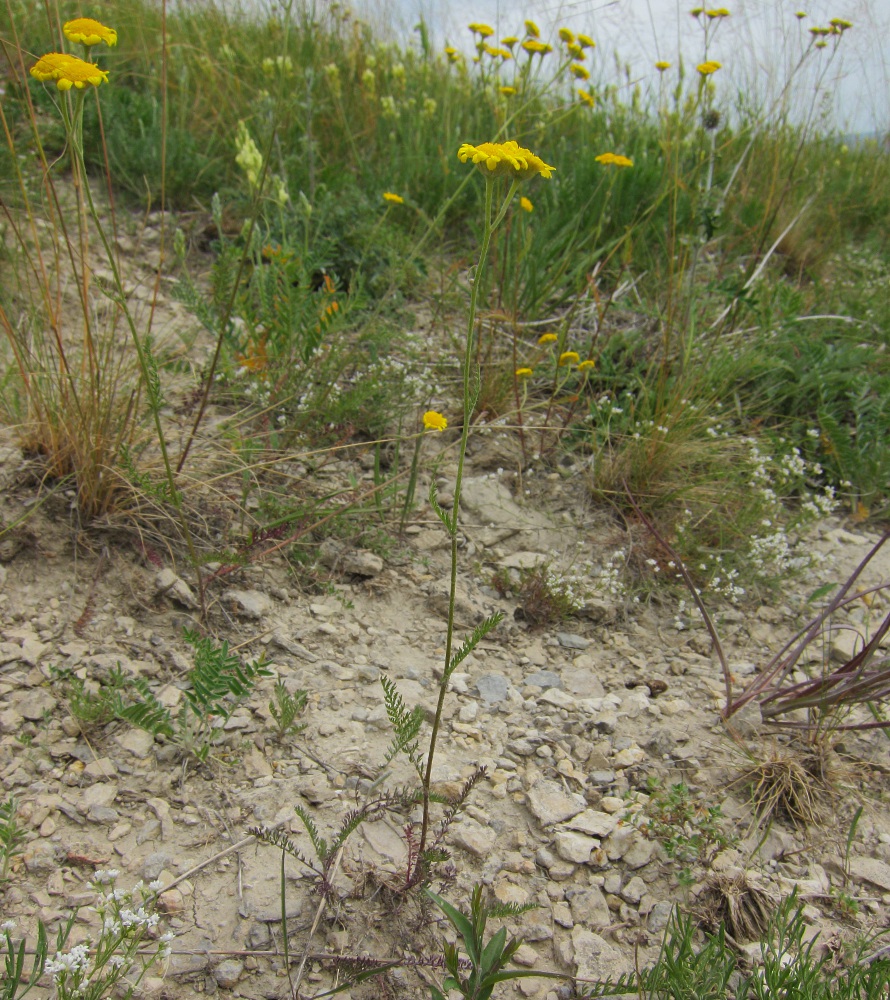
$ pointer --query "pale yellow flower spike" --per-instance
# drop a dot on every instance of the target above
(496, 159)
(89, 32)
(434, 421)
(68, 71)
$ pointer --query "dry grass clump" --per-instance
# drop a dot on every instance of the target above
(795, 781)
(739, 902)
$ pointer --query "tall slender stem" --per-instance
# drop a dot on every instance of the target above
(469, 403)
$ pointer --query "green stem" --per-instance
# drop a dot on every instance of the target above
(469, 404)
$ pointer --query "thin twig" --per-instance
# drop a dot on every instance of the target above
(709, 624)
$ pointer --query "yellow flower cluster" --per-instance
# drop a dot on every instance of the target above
(709, 67)
(535, 47)
(496, 159)
(662, 65)
(717, 13)
(89, 32)
(614, 160)
(395, 199)
(566, 358)
(525, 204)
(68, 71)
(482, 30)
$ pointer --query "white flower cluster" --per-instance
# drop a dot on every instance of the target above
(568, 588)
(609, 577)
(128, 918)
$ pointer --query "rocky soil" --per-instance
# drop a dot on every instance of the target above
(581, 727)
(572, 723)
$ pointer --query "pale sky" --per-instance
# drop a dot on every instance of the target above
(757, 45)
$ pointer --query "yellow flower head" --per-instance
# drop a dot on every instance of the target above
(524, 373)
(569, 358)
(547, 338)
(496, 159)
(532, 30)
(821, 44)
(800, 14)
(840, 23)
(587, 98)
(717, 12)
(395, 199)
(89, 32)
(697, 11)
(452, 53)
(434, 421)
(586, 42)
(709, 67)
(614, 160)
(586, 366)
(576, 51)
(483, 30)
(820, 31)
(566, 35)
(579, 72)
(662, 65)
(507, 91)
(535, 47)
(510, 40)
(68, 71)
(525, 204)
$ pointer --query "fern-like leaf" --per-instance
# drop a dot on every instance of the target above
(406, 725)
(319, 844)
(469, 644)
(152, 377)
(145, 713)
(219, 680)
(443, 516)
(278, 838)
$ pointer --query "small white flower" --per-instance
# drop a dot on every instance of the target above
(7, 927)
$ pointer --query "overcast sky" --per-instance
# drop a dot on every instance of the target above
(757, 44)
